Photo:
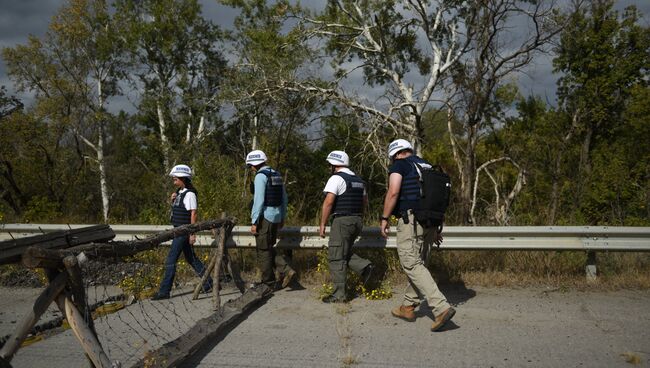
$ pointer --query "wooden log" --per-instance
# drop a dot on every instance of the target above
(79, 294)
(175, 352)
(86, 338)
(44, 258)
(43, 301)
(49, 258)
(206, 274)
(216, 287)
(12, 250)
(76, 282)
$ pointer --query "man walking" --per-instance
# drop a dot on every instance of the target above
(414, 242)
(345, 200)
(268, 213)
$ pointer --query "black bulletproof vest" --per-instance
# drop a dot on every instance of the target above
(274, 188)
(350, 202)
(180, 216)
(409, 193)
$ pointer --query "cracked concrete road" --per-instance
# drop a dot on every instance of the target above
(493, 327)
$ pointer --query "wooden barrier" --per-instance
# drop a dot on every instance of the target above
(62, 267)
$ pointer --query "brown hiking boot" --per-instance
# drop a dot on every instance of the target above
(404, 312)
(442, 318)
(287, 278)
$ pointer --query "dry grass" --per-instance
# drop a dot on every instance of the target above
(512, 279)
(344, 331)
(631, 358)
(343, 308)
(480, 268)
(349, 360)
(517, 269)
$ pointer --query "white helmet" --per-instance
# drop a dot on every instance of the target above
(255, 158)
(338, 158)
(398, 145)
(181, 171)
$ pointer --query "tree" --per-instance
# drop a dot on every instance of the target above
(402, 48)
(173, 50)
(79, 61)
(603, 56)
(8, 104)
(267, 116)
(481, 90)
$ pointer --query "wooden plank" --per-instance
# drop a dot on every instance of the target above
(12, 250)
(175, 352)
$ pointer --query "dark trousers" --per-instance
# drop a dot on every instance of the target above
(270, 258)
(181, 244)
(343, 232)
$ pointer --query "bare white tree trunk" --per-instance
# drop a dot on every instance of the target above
(162, 125)
(100, 156)
(501, 204)
(254, 143)
(188, 130)
(408, 100)
(201, 129)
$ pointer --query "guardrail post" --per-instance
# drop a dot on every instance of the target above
(590, 268)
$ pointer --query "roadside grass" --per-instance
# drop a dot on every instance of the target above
(480, 268)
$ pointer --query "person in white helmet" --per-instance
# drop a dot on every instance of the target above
(345, 201)
(268, 212)
(414, 242)
(184, 211)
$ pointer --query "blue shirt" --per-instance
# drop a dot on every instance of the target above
(271, 214)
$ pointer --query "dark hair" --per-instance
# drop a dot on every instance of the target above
(188, 184)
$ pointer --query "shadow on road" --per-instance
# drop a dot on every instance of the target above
(198, 355)
(457, 293)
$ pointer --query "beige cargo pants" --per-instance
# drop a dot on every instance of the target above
(414, 249)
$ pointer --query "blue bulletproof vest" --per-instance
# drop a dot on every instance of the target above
(180, 216)
(274, 188)
(350, 202)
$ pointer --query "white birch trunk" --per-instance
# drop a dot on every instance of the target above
(254, 144)
(163, 136)
(201, 128)
(100, 157)
(188, 131)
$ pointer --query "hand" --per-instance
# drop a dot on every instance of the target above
(192, 239)
(173, 196)
(437, 239)
(254, 229)
(384, 226)
(322, 231)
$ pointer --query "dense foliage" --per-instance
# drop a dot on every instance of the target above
(205, 96)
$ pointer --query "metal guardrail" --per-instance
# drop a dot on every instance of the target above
(585, 238)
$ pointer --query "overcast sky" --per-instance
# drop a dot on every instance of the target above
(20, 18)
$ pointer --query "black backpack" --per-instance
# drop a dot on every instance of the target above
(435, 190)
